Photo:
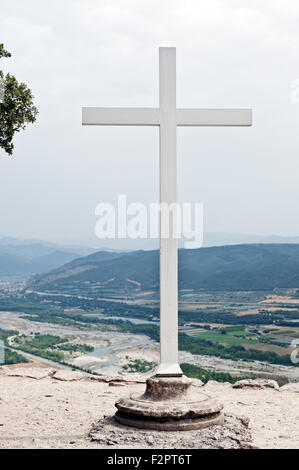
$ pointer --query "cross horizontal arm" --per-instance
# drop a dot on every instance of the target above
(214, 117)
(151, 117)
(120, 116)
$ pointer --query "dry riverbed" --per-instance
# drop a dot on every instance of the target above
(113, 350)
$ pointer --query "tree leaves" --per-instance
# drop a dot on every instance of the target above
(3, 52)
(16, 107)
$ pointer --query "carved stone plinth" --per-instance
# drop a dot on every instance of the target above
(169, 404)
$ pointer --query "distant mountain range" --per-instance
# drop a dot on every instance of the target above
(225, 238)
(27, 257)
(210, 239)
(37, 244)
(234, 267)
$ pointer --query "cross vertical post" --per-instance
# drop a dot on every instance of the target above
(167, 117)
(168, 197)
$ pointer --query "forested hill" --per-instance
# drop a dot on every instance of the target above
(254, 266)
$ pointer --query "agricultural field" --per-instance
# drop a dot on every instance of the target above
(275, 340)
(231, 336)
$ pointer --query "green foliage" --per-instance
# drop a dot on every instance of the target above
(128, 327)
(4, 334)
(3, 52)
(117, 309)
(39, 312)
(196, 345)
(56, 356)
(12, 357)
(16, 107)
(45, 341)
(83, 348)
(42, 345)
(138, 365)
(196, 372)
(231, 336)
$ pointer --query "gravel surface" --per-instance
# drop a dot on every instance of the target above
(75, 410)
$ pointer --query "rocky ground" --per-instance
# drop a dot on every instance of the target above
(44, 408)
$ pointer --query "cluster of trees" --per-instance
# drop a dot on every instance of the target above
(209, 348)
(13, 304)
(44, 341)
(139, 365)
(55, 356)
(78, 320)
(205, 375)
(196, 372)
(223, 316)
(118, 309)
(51, 347)
(38, 311)
(82, 348)
(10, 357)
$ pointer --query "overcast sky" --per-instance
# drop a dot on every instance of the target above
(75, 53)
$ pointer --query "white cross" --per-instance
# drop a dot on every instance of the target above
(167, 117)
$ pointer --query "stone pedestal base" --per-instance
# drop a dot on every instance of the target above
(169, 404)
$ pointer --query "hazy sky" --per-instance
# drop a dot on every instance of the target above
(105, 53)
